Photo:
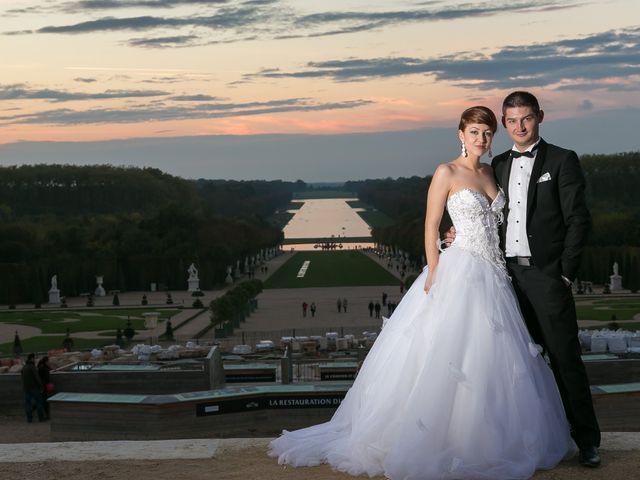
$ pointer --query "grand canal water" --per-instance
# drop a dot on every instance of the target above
(324, 218)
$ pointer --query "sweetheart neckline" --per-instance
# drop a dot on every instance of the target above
(487, 199)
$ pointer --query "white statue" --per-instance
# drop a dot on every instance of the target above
(229, 278)
(193, 281)
(54, 293)
(193, 272)
(615, 283)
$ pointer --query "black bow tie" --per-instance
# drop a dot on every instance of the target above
(517, 154)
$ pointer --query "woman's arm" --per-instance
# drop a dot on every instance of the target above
(436, 201)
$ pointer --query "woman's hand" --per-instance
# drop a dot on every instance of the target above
(428, 282)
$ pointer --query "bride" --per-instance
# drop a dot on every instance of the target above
(453, 387)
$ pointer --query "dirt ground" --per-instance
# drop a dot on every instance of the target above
(243, 464)
(252, 463)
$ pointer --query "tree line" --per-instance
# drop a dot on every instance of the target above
(135, 226)
(612, 194)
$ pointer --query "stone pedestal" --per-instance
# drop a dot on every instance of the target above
(54, 296)
(615, 282)
(100, 291)
(150, 320)
(194, 284)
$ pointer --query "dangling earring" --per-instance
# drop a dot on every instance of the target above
(490, 153)
(464, 149)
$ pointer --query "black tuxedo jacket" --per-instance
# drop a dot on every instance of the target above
(558, 221)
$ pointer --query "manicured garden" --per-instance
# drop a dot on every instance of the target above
(608, 310)
(104, 322)
(373, 217)
(331, 269)
(51, 342)
(59, 321)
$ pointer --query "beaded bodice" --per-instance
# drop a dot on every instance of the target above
(476, 220)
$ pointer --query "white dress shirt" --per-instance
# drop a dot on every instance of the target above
(517, 243)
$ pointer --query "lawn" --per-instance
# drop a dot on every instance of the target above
(46, 343)
(376, 218)
(373, 217)
(619, 302)
(358, 204)
(58, 321)
(603, 310)
(280, 219)
(331, 269)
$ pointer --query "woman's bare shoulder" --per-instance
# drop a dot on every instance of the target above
(446, 169)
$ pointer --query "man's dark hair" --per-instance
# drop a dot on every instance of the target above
(521, 99)
(31, 357)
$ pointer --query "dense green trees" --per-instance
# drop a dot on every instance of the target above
(226, 312)
(37, 190)
(134, 226)
(612, 194)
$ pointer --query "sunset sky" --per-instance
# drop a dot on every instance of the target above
(134, 80)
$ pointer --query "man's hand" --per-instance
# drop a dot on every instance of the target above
(449, 237)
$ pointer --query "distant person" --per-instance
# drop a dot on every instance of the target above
(339, 304)
(384, 298)
(305, 305)
(371, 307)
(344, 304)
(32, 387)
(402, 286)
(47, 387)
(313, 309)
(377, 309)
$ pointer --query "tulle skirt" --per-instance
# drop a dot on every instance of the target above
(453, 388)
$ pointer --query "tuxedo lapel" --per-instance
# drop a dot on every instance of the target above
(503, 179)
(535, 175)
(505, 174)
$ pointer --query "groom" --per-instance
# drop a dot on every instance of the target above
(543, 235)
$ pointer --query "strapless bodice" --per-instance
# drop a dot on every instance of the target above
(476, 220)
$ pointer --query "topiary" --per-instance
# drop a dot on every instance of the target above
(67, 342)
(168, 333)
(129, 332)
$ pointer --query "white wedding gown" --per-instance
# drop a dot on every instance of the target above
(453, 387)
